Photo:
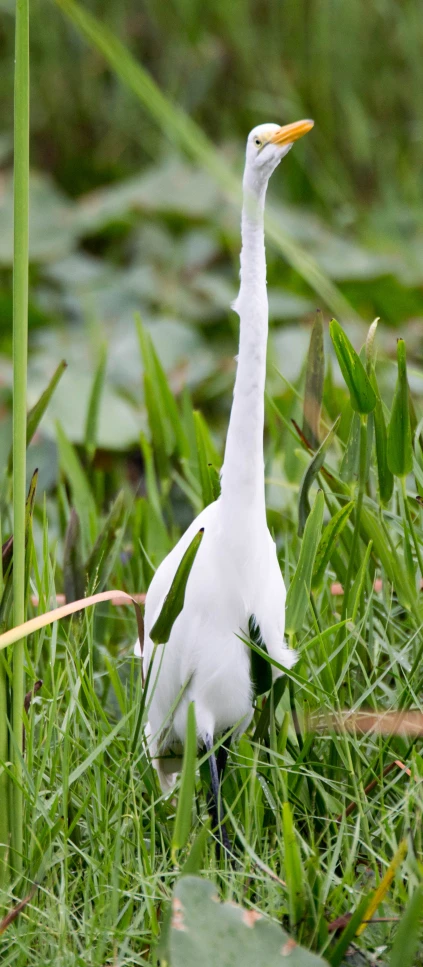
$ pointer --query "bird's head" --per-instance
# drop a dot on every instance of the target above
(267, 144)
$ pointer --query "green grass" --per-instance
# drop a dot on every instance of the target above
(97, 832)
(319, 816)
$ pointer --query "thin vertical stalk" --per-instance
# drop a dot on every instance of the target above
(4, 756)
(20, 351)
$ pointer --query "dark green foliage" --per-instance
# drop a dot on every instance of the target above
(362, 396)
(400, 450)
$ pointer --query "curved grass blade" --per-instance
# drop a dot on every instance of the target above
(49, 617)
(174, 600)
(183, 817)
(327, 544)
(310, 475)
(400, 447)
(299, 590)
(315, 375)
(362, 396)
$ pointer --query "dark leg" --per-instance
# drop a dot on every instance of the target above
(216, 771)
(222, 758)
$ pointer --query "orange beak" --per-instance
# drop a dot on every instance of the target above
(291, 132)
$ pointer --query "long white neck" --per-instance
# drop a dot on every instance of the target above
(243, 467)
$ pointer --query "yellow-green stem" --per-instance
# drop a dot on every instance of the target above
(20, 349)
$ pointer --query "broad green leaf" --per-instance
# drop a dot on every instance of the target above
(363, 399)
(327, 543)
(400, 448)
(385, 476)
(174, 600)
(406, 941)
(183, 819)
(299, 590)
(93, 413)
(36, 413)
(213, 934)
(106, 548)
(294, 873)
(310, 475)
(315, 374)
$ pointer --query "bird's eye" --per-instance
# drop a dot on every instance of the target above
(257, 142)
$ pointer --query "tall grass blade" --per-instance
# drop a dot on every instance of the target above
(385, 476)
(93, 413)
(20, 353)
(310, 475)
(315, 375)
(400, 447)
(327, 543)
(294, 873)
(183, 817)
(299, 590)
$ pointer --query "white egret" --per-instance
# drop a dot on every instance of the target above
(235, 574)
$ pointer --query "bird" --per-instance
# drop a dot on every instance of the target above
(235, 583)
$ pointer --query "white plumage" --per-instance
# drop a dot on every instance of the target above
(236, 573)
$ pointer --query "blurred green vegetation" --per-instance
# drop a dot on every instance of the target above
(122, 222)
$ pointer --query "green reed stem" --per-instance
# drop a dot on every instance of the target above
(20, 352)
(4, 757)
